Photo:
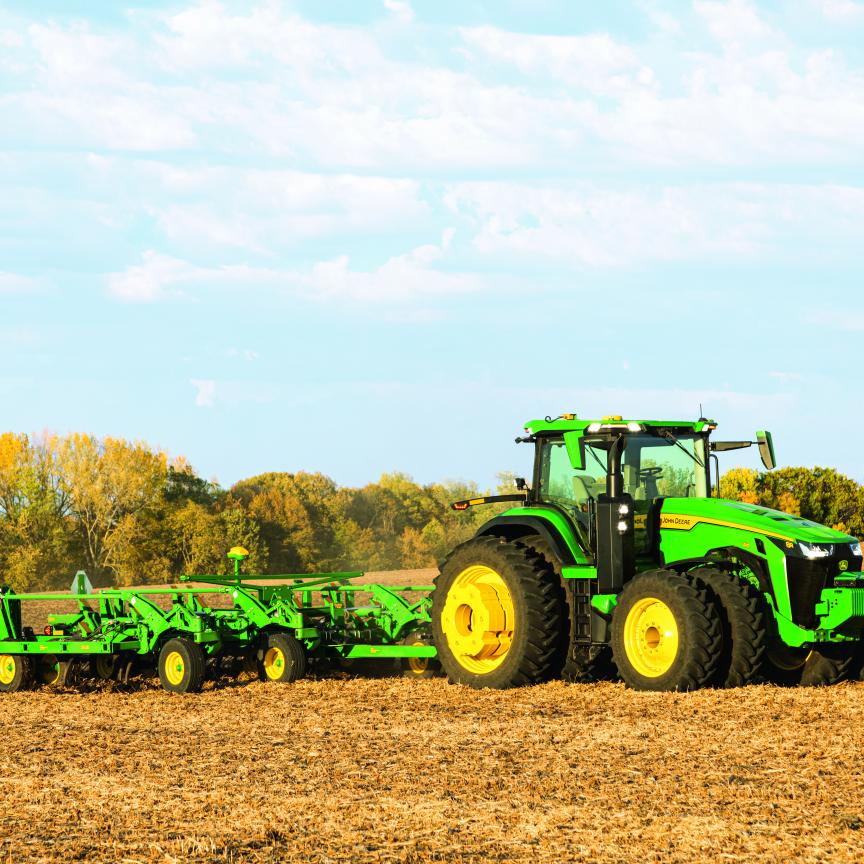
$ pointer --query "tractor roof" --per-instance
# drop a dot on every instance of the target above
(572, 423)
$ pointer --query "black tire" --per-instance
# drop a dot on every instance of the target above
(573, 663)
(529, 643)
(282, 659)
(105, 666)
(742, 617)
(694, 660)
(419, 667)
(16, 673)
(805, 667)
(181, 666)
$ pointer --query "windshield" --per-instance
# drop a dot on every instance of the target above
(653, 466)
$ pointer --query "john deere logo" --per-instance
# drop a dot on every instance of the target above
(844, 565)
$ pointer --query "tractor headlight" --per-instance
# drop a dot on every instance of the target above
(812, 551)
(856, 549)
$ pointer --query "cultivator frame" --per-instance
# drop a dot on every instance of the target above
(276, 627)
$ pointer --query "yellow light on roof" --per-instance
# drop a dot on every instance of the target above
(612, 418)
(568, 416)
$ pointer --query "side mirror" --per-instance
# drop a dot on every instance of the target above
(766, 449)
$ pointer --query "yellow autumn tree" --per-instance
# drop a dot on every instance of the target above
(109, 483)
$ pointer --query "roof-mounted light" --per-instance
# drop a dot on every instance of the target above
(630, 427)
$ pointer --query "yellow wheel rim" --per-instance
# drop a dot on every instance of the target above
(478, 619)
(7, 669)
(651, 637)
(274, 663)
(50, 672)
(175, 668)
(418, 665)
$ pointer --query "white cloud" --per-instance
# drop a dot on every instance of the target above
(205, 392)
(843, 11)
(400, 10)
(13, 283)
(412, 276)
(592, 61)
(153, 279)
(733, 21)
(584, 224)
(263, 81)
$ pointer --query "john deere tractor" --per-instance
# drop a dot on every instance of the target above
(620, 557)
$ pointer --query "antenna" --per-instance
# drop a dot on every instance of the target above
(701, 413)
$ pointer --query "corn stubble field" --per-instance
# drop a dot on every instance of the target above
(384, 769)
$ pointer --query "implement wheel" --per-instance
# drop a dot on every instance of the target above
(16, 673)
(419, 667)
(805, 667)
(666, 633)
(498, 615)
(181, 666)
(283, 659)
(742, 616)
(105, 666)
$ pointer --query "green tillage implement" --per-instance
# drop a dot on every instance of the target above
(278, 626)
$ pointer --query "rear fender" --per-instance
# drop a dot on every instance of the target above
(514, 527)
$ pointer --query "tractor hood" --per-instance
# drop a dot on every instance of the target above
(682, 513)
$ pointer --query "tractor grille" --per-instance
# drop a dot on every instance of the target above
(806, 581)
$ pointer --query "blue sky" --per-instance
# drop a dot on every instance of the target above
(358, 237)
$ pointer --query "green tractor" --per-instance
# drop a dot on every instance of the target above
(621, 557)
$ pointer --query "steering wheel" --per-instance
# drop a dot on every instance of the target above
(653, 471)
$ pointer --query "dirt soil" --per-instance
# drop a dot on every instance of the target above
(387, 769)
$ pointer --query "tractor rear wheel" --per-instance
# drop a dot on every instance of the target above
(16, 673)
(805, 667)
(498, 615)
(181, 666)
(283, 659)
(588, 663)
(666, 633)
(743, 621)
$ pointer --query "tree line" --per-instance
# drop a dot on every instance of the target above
(128, 514)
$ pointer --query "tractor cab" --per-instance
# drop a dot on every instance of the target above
(572, 471)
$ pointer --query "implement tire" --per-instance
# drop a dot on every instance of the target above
(498, 615)
(181, 666)
(666, 633)
(419, 667)
(742, 617)
(282, 660)
(804, 667)
(16, 673)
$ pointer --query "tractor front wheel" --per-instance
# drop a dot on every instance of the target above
(498, 615)
(666, 633)
(805, 667)
(742, 616)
